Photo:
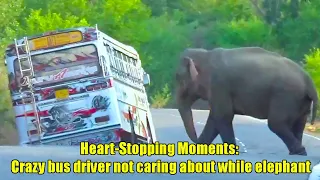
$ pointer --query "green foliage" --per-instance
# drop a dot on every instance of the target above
(312, 66)
(236, 33)
(38, 22)
(169, 38)
(9, 13)
(161, 98)
(299, 35)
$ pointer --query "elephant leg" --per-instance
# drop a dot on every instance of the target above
(223, 117)
(298, 128)
(210, 131)
(279, 125)
(225, 128)
(221, 106)
(286, 135)
(283, 113)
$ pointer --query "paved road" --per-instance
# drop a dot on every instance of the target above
(256, 141)
(252, 134)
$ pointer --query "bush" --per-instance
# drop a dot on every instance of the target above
(161, 98)
(8, 132)
(239, 33)
(312, 66)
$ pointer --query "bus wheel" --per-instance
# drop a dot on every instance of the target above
(149, 133)
(134, 139)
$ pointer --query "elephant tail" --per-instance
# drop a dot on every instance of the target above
(312, 93)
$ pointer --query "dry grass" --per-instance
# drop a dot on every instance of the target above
(314, 128)
(8, 135)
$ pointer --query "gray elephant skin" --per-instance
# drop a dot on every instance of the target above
(248, 81)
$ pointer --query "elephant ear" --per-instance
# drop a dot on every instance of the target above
(192, 68)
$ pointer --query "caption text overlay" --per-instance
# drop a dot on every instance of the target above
(159, 166)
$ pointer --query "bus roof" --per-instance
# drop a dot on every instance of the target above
(86, 32)
(120, 45)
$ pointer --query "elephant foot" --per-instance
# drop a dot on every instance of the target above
(301, 151)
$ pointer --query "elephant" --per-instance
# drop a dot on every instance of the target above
(248, 81)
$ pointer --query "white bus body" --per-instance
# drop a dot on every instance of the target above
(75, 85)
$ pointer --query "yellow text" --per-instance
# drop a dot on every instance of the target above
(283, 167)
(157, 167)
(239, 166)
(91, 167)
(146, 149)
(97, 149)
(197, 167)
(58, 167)
(185, 148)
(28, 167)
(123, 167)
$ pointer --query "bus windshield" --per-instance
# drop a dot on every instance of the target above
(64, 65)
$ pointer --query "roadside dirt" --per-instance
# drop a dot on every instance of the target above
(314, 129)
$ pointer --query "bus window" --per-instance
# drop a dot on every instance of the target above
(121, 63)
(123, 60)
(112, 64)
(135, 73)
(129, 71)
(63, 65)
(117, 65)
(134, 62)
(140, 75)
(118, 56)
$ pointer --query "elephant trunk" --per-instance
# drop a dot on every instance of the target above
(187, 118)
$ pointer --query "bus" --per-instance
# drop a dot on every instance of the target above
(78, 84)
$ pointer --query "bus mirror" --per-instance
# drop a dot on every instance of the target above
(146, 79)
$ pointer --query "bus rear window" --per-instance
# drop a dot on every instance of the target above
(64, 65)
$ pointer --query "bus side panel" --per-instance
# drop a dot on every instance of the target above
(152, 126)
(138, 117)
(130, 97)
(141, 101)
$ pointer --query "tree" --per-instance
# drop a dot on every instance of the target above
(297, 36)
(9, 12)
(39, 22)
(123, 20)
(238, 33)
(160, 54)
